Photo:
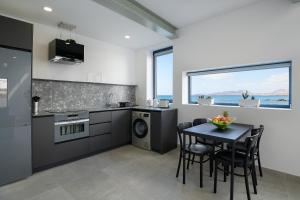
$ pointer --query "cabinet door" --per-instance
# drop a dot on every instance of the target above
(99, 143)
(121, 121)
(15, 33)
(42, 141)
(71, 149)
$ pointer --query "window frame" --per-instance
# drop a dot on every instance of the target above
(156, 53)
(245, 68)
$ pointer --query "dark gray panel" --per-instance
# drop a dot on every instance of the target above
(99, 143)
(100, 129)
(15, 154)
(42, 141)
(121, 127)
(15, 115)
(100, 117)
(156, 131)
(71, 149)
(15, 33)
(163, 131)
(169, 128)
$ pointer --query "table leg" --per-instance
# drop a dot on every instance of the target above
(183, 160)
(232, 171)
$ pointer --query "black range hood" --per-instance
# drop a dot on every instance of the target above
(66, 52)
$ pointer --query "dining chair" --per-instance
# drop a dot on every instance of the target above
(245, 160)
(204, 141)
(194, 149)
(241, 146)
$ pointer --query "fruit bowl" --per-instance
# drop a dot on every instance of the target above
(222, 122)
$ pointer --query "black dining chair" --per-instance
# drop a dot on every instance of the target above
(245, 160)
(204, 141)
(192, 148)
(241, 146)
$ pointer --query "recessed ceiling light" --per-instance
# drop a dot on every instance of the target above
(127, 37)
(47, 9)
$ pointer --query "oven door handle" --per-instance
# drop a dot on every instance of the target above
(71, 122)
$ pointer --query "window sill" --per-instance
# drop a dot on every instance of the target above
(237, 107)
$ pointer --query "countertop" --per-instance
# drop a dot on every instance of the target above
(103, 109)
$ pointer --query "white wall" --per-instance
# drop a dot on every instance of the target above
(104, 62)
(143, 71)
(264, 32)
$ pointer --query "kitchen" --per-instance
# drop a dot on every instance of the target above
(77, 110)
(149, 99)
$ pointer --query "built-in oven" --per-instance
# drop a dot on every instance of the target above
(71, 126)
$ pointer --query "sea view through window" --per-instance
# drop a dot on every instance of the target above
(270, 83)
(163, 74)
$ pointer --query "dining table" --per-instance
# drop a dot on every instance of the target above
(231, 135)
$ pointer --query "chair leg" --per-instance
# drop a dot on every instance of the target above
(179, 164)
(189, 159)
(254, 173)
(201, 171)
(246, 182)
(259, 164)
(193, 159)
(216, 176)
(225, 172)
(211, 165)
(254, 183)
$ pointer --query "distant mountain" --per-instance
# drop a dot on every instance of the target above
(279, 92)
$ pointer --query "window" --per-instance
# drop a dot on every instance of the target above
(163, 74)
(270, 83)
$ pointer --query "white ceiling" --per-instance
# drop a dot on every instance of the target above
(185, 12)
(91, 19)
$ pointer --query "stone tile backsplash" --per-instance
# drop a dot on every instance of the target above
(61, 95)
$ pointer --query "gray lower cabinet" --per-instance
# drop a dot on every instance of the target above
(109, 129)
(42, 141)
(71, 149)
(99, 143)
(163, 131)
(121, 121)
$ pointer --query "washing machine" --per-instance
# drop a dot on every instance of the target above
(141, 129)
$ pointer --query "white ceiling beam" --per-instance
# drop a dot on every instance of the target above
(138, 13)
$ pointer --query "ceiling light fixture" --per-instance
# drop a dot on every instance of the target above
(127, 37)
(47, 9)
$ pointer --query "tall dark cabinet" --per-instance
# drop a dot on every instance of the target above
(15, 99)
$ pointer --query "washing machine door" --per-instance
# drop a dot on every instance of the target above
(140, 128)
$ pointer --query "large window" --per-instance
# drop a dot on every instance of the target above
(270, 83)
(163, 74)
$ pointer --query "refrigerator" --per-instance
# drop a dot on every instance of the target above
(15, 115)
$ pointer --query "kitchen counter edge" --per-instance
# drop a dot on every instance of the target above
(93, 110)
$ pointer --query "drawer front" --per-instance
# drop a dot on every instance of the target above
(100, 129)
(99, 143)
(71, 149)
(100, 117)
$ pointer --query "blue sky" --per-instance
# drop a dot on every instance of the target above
(164, 67)
(256, 81)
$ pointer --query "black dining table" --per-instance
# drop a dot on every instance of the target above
(208, 131)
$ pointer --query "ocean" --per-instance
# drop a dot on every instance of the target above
(275, 100)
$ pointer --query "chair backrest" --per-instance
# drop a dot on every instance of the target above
(258, 131)
(180, 128)
(251, 143)
(199, 121)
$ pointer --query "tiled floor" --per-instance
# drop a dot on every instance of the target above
(135, 174)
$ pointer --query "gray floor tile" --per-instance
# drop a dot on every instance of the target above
(135, 174)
